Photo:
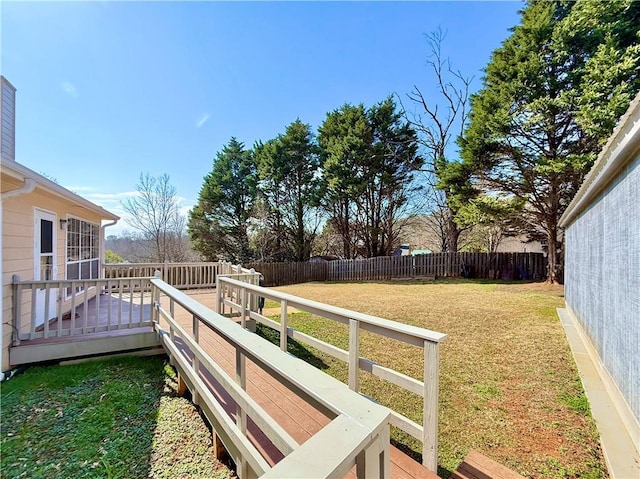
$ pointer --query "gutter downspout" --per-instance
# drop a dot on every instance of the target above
(28, 187)
(102, 228)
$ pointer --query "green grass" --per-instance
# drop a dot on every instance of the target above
(116, 418)
(509, 387)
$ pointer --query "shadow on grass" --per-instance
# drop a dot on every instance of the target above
(113, 418)
(440, 280)
(95, 419)
(294, 347)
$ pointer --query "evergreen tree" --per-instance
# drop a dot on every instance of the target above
(288, 167)
(539, 120)
(344, 138)
(369, 162)
(389, 178)
(218, 224)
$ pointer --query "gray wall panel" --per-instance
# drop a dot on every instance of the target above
(602, 276)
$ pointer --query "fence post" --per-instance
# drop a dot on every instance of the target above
(374, 461)
(195, 328)
(241, 415)
(253, 298)
(430, 406)
(354, 355)
(218, 295)
(17, 312)
(243, 305)
(283, 325)
(155, 298)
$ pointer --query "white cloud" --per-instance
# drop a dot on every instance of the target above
(69, 88)
(202, 120)
(112, 202)
(110, 196)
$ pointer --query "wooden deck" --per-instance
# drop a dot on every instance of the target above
(296, 416)
(114, 325)
(108, 323)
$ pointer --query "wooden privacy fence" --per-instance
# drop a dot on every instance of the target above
(509, 266)
(235, 295)
(179, 275)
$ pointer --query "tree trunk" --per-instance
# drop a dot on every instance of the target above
(453, 232)
(554, 259)
(300, 249)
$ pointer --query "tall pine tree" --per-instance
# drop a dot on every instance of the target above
(551, 95)
(289, 183)
(219, 222)
(369, 162)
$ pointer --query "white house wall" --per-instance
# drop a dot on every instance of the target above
(602, 277)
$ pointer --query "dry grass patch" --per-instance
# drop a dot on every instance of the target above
(509, 384)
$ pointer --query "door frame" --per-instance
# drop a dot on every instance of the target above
(40, 214)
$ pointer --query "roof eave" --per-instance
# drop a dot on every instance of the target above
(21, 172)
(622, 145)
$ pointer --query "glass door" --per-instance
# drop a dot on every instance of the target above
(45, 264)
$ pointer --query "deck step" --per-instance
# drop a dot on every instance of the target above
(70, 347)
(478, 466)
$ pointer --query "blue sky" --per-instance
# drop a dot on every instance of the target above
(108, 90)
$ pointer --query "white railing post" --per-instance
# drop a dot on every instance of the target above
(354, 355)
(196, 361)
(243, 305)
(155, 298)
(283, 325)
(374, 460)
(241, 415)
(173, 315)
(17, 309)
(253, 299)
(218, 295)
(430, 406)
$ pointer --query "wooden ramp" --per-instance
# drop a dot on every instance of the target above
(296, 416)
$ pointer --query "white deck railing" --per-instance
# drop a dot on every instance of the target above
(358, 434)
(179, 275)
(233, 293)
(43, 309)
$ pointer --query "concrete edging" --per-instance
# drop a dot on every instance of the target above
(618, 428)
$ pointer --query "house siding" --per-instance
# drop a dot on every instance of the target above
(602, 278)
(18, 246)
(7, 120)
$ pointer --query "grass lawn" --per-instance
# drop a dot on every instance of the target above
(117, 418)
(508, 382)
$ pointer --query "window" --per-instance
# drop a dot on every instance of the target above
(83, 250)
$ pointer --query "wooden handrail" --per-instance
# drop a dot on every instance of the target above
(181, 275)
(428, 340)
(358, 434)
(342, 314)
(129, 292)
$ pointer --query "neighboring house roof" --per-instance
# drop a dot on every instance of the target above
(20, 172)
(621, 148)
